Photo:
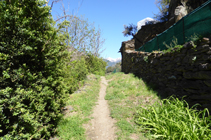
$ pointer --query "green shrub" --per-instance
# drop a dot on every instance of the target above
(114, 69)
(96, 65)
(31, 62)
(172, 119)
(36, 73)
(75, 73)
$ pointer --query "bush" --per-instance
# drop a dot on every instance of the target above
(36, 70)
(75, 72)
(115, 68)
(96, 65)
(31, 62)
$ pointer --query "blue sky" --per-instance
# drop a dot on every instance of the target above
(110, 16)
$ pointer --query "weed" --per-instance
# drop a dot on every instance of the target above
(175, 49)
(172, 44)
(172, 119)
(194, 59)
(196, 38)
(146, 59)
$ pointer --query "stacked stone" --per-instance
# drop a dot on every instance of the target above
(182, 72)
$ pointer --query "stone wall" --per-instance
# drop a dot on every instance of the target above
(183, 71)
(149, 31)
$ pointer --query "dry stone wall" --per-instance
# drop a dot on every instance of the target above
(182, 72)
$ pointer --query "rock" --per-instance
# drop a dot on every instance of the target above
(200, 97)
(199, 50)
(207, 106)
(205, 40)
(205, 66)
(189, 6)
(197, 75)
(189, 84)
(208, 83)
(180, 12)
(180, 69)
(192, 91)
(188, 45)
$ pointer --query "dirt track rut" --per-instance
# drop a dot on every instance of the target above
(101, 127)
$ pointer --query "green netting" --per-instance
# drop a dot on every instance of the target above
(197, 22)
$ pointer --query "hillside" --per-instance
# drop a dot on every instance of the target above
(112, 62)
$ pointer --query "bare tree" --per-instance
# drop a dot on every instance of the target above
(54, 1)
(80, 36)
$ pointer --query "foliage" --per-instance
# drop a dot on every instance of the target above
(84, 44)
(163, 6)
(175, 49)
(172, 119)
(81, 37)
(131, 29)
(32, 92)
(151, 22)
(71, 126)
(196, 38)
(75, 72)
(146, 59)
(96, 65)
(116, 67)
(173, 46)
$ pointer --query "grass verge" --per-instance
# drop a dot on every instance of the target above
(78, 109)
(140, 113)
(124, 94)
(172, 119)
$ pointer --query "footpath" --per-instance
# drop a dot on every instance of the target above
(101, 127)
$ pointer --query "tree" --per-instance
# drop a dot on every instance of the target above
(131, 29)
(81, 37)
(163, 6)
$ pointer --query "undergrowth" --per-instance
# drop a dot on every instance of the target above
(172, 119)
(71, 126)
(141, 114)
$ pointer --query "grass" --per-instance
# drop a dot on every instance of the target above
(172, 119)
(71, 126)
(124, 94)
(141, 114)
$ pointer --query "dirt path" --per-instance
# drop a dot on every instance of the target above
(101, 127)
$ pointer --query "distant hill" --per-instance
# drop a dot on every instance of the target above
(111, 61)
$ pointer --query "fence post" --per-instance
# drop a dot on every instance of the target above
(183, 30)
